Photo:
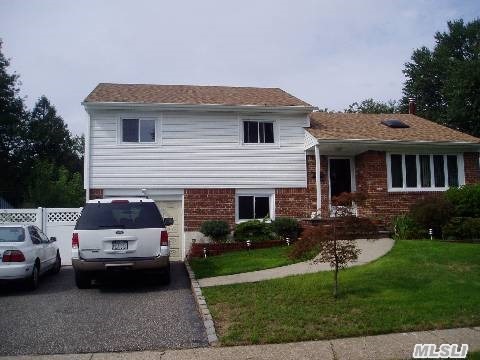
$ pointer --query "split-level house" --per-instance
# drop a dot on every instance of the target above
(240, 153)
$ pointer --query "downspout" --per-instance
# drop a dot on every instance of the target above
(317, 179)
(86, 160)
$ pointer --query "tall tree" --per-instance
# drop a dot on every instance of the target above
(445, 81)
(12, 133)
(370, 106)
(49, 138)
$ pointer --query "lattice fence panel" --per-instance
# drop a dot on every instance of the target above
(18, 217)
(63, 216)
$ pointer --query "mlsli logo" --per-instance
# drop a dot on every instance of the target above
(443, 351)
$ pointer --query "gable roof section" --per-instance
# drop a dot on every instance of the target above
(192, 95)
(368, 127)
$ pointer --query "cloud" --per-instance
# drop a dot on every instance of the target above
(327, 53)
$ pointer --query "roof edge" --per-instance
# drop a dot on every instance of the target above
(397, 142)
(185, 106)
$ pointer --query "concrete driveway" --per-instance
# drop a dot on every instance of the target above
(119, 314)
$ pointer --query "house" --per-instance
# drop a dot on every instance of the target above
(237, 153)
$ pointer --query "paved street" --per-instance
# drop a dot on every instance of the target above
(128, 315)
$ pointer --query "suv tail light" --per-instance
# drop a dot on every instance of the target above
(164, 238)
(75, 241)
(13, 256)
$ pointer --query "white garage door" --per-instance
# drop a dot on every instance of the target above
(173, 209)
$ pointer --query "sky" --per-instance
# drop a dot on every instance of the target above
(328, 53)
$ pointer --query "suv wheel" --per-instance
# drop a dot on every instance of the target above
(82, 280)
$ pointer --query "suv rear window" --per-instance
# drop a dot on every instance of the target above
(12, 234)
(135, 215)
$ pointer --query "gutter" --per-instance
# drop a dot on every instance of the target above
(203, 107)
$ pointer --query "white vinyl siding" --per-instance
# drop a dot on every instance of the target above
(195, 150)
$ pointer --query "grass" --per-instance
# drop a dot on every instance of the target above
(419, 285)
(241, 261)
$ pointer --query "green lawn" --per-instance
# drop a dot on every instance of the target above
(419, 285)
(241, 261)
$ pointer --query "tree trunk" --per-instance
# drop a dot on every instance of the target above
(335, 288)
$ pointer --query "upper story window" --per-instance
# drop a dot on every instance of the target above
(423, 172)
(258, 132)
(138, 130)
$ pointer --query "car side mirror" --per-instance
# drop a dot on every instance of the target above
(168, 221)
(53, 238)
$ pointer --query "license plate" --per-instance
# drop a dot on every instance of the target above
(119, 245)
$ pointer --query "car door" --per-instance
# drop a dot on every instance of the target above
(50, 250)
(39, 247)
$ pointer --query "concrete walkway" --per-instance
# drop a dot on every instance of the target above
(381, 347)
(371, 250)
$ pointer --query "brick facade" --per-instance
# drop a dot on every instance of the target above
(208, 204)
(472, 168)
(371, 179)
(298, 202)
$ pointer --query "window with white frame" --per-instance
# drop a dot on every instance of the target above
(254, 206)
(423, 171)
(138, 130)
(258, 132)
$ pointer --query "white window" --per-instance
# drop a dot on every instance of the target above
(255, 204)
(414, 172)
(138, 130)
(258, 132)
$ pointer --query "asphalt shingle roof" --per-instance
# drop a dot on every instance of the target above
(192, 95)
(351, 126)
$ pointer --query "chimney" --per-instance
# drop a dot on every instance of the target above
(411, 106)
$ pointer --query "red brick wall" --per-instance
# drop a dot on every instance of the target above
(472, 169)
(298, 202)
(371, 177)
(96, 194)
(208, 204)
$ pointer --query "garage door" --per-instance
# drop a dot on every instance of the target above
(173, 209)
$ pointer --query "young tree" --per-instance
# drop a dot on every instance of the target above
(370, 106)
(445, 81)
(336, 244)
(12, 133)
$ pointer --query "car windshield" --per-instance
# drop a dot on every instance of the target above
(12, 234)
(120, 215)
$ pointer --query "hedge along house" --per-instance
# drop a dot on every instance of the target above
(238, 153)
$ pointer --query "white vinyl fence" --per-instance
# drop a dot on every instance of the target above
(57, 222)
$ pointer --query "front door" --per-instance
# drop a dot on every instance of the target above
(340, 176)
(173, 209)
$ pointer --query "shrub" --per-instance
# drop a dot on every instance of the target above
(253, 230)
(217, 230)
(462, 228)
(432, 212)
(307, 247)
(405, 228)
(465, 200)
(285, 227)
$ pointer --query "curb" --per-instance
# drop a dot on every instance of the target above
(202, 307)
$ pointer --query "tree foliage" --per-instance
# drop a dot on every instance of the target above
(53, 186)
(12, 133)
(30, 140)
(371, 106)
(445, 81)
